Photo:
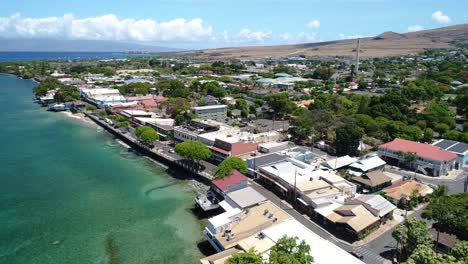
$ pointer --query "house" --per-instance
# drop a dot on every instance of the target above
(458, 148)
(372, 181)
(220, 187)
(430, 160)
(366, 165)
(354, 220)
(214, 112)
(446, 241)
(234, 182)
(340, 162)
(401, 192)
(376, 204)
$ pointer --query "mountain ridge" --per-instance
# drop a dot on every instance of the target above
(388, 43)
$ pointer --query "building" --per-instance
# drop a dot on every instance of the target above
(255, 161)
(220, 187)
(226, 230)
(271, 147)
(352, 219)
(430, 160)
(223, 149)
(340, 162)
(322, 250)
(102, 97)
(304, 182)
(366, 165)
(234, 182)
(401, 192)
(372, 181)
(196, 127)
(458, 148)
(214, 112)
(376, 204)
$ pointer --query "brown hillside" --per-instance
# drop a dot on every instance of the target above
(386, 44)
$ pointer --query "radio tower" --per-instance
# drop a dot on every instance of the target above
(357, 57)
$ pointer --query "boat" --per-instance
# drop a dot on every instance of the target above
(57, 107)
(123, 144)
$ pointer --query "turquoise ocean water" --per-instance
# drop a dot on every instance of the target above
(62, 180)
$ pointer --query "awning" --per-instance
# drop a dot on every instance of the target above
(302, 201)
(281, 187)
(219, 150)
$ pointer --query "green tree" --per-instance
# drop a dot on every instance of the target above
(347, 139)
(411, 233)
(289, 250)
(46, 85)
(193, 151)
(249, 257)
(225, 168)
(149, 136)
(213, 88)
(460, 251)
(281, 104)
(428, 135)
(424, 254)
(174, 88)
(176, 106)
(301, 129)
(449, 211)
(139, 130)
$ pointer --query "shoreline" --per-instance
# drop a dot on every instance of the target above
(196, 187)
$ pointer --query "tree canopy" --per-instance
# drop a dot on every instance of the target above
(347, 139)
(225, 168)
(146, 134)
(193, 150)
(249, 257)
(290, 250)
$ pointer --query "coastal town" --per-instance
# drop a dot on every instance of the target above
(365, 160)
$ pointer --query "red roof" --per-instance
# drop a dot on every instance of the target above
(220, 150)
(421, 149)
(241, 148)
(224, 183)
(149, 102)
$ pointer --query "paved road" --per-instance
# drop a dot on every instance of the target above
(455, 185)
(384, 245)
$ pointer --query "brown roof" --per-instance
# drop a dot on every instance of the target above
(372, 178)
(445, 239)
(405, 188)
(355, 216)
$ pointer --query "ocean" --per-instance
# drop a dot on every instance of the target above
(69, 193)
(73, 56)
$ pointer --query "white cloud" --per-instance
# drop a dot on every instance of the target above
(440, 17)
(106, 27)
(343, 36)
(247, 35)
(415, 28)
(313, 24)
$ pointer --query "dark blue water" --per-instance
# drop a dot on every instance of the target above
(72, 56)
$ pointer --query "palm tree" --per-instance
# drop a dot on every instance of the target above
(439, 191)
(435, 198)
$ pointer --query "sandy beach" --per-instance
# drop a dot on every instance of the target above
(81, 118)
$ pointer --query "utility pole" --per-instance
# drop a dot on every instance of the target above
(357, 56)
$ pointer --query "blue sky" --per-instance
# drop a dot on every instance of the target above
(211, 23)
